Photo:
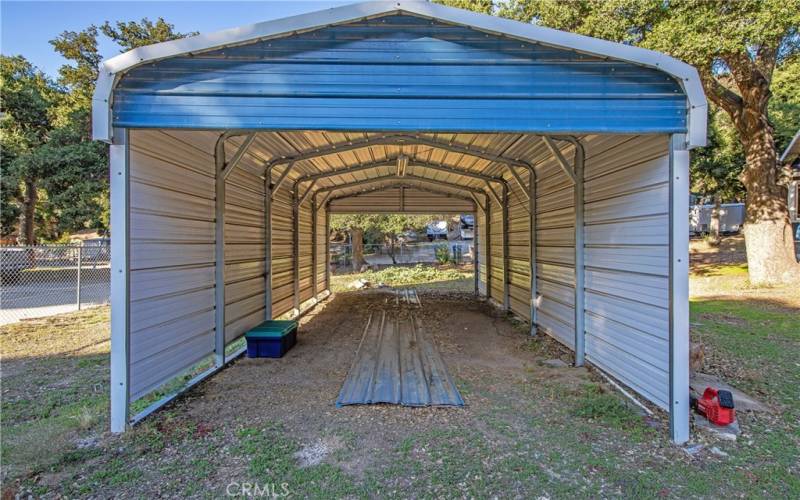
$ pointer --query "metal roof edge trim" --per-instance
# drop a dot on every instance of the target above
(792, 149)
(111, 69)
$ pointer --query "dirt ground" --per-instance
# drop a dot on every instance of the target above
(299, 390)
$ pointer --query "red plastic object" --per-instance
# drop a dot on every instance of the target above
(709, 405)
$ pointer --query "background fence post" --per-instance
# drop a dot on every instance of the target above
(78, 284)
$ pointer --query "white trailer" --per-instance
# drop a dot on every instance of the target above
(731, 218)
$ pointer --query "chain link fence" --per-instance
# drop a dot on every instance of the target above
(456, 252)
(43, 280)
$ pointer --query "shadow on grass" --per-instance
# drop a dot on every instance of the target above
(714, 270)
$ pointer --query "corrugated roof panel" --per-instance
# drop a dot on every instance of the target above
(397, 73)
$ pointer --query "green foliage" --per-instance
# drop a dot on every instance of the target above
(740, 48)
(412, 275)
(784, 107)
(74, 174)
(79, 47)
(715, 169)
(378, 227)
(49, 159)
(133, 34)
(482, 6)
(442, 253)
(383, 223)
(24, 122)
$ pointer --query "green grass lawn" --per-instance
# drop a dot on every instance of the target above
(538, 437)
(444, 277)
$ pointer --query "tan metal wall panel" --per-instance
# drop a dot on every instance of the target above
(322, 235)
(555, 249)
(172, 257)
(244, 243)
(480, 223)
(496, 288)
(627, 262)
(282, 244)
(305, 260)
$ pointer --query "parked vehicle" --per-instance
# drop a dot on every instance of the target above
(467, 227)
(97, 249)
(14, 260)
(437, 230)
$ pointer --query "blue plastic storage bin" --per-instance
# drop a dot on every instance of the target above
(271, 339)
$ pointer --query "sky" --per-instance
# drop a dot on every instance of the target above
(26, 27)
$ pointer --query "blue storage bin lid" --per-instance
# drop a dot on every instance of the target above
(266, 334)
(272, 329)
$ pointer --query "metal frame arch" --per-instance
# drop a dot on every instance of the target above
(385, 187)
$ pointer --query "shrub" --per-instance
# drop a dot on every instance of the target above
(442, 254)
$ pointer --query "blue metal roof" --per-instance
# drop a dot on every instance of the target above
(404, 73)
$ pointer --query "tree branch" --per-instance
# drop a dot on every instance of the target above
(722, 96)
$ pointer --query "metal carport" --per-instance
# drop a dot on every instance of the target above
(228, 148)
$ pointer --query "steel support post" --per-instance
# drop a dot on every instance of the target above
(580, 292)
(120, 285)
(327, 246)
(487, 215)
(314, 246)
(532, 255)
(268, 244)
(506, 284)
(476, 268)
(78, 281)
(296, 250)
(679, 290)
(219, 253)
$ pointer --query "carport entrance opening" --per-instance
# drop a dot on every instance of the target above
(206, 208)
(230, 151)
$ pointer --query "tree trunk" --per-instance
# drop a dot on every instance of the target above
(391, 249)
(357, 241)
(767, 231)
(29, 212)
(713, 226)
